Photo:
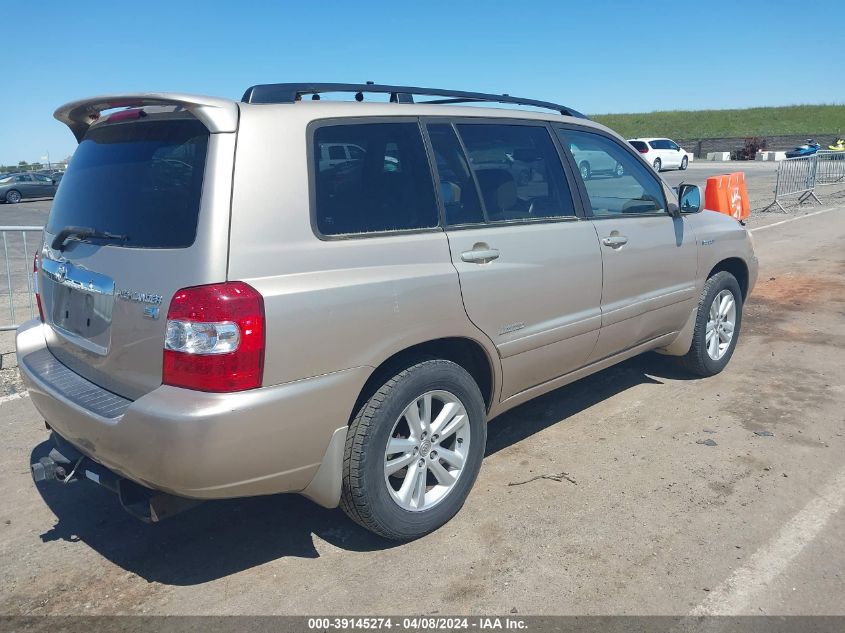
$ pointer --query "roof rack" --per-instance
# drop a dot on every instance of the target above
(291, 92)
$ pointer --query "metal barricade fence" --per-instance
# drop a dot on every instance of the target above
(16, 284)
(796, 177)
(830, 168)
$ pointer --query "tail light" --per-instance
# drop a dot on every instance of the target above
(643, 150)
(215, 338)
(35, 287)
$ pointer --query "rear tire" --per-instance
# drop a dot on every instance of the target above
(657, 164)
(399, 492)
(706, 356)
(684, 163)
(13, 196)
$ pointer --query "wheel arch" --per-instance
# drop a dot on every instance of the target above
(738, 268)
(463, 351)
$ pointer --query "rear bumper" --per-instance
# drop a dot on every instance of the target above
(190, 443)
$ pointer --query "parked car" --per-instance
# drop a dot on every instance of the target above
(662, 153)
(595, 162)
(218, 323)
(17, 187)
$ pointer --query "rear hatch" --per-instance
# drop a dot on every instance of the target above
(640, 146)
(143, 211)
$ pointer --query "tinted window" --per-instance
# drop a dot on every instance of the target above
(141, 179)
(639, 146)
(660, 144)
(457, 187)
(23, 179)
(43, 179)
(386, 186)
(337, 152)
(518, 171)
(623, 185)
(673, 145)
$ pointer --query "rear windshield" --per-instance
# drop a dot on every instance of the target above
(639, 145)
(141, 180)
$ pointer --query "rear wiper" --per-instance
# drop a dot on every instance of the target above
(82, 233)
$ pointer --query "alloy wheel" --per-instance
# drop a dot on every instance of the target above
(720, 324)
(427, 450)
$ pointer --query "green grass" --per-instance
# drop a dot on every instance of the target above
(807, 120)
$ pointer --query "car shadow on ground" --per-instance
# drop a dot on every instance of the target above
(220, 538)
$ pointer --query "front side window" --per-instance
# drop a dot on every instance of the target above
(518, 171)
(23, 179)
(385, 185)
(623, 185)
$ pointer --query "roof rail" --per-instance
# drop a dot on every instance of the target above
(290, 92)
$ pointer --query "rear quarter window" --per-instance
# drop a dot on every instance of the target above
(141, 179)
(384, 185)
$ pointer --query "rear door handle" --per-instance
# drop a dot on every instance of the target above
(615, 241)
(480, 256)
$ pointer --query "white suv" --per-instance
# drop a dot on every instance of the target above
(662, 153)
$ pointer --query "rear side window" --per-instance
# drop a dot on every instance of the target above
(142, 180)
(639, 146)
(385, 185)
(457, 187)
(518, 171)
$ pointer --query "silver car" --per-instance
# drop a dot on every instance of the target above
(259, 318)
(17, 187)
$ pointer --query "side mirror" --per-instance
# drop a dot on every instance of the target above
(674, 211)
(689, 198)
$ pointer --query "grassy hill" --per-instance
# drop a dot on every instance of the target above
(807, 120)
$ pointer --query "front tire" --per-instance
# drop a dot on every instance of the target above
(413, 450)
(13, 196)
(717, 326)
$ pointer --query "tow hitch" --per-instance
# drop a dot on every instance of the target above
(65, 464)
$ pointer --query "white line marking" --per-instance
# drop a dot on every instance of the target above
(800, 217)
(735, 594)
(14, 396)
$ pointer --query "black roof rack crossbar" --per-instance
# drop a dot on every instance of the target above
(290, 92)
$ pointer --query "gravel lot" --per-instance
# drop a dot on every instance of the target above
(657, 523)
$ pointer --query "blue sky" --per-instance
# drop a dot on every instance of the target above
(596, 56)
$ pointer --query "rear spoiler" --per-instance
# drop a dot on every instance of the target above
(218, 115)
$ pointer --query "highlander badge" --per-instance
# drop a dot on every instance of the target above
(139, 297)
